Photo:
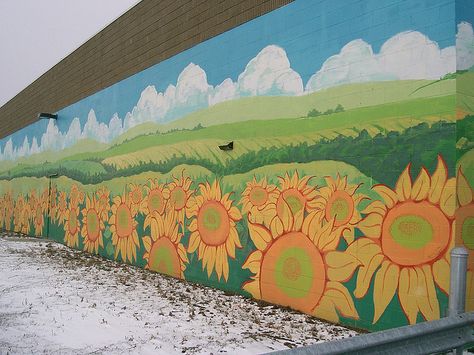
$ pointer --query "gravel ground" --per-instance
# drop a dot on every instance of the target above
(57, 300)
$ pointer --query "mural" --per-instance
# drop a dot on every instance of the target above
(351, 177)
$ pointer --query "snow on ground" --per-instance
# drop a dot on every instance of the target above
(57, 300)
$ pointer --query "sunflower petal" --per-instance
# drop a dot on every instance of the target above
(406, 293)
(438, 180)
(386, 282)
(448, 198)
(426, 298)
(341, 265)
(441, 271)
(341, 299)
(371, 225)
(388, 195)
(194, 242)
(403, 186)
(147, 243)
(253, 287)
(253, 262)
(421, 187)
(326, 310)
(260, 235)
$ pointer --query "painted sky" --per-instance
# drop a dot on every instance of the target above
(309, 31)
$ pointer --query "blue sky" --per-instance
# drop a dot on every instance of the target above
(310, 31)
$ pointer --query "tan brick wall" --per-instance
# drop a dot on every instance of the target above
(150, 32)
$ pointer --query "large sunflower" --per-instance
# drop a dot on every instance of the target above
(164, 251)
(156, 198)
(339, 201)
(124, 227)
(409, 238)
(297, 194)
(259, 201)
(465, 230)
(213, 230)
(72, 225)
(293, 266)
(179, 194)
(92, 225)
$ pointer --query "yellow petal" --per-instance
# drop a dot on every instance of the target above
(260, 235)
(388, 195)
(403, 185)
(147, 243)
(386, 282)
(211, 260)
(371, 225)
(253, 262)
(464, 190)
(441, 272)
(253, 287)
(341, 299)
(341, 265)
(326, 310)
(421, 187)
(426, 297)
(219, 262)
(225, 269)
(438, 180)
(365, 275)
(406, 293)
(448, 198)
(194, 241)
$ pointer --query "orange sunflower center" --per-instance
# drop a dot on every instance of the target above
(156, 202)
(123, 221)
(73, 221)
(415, 233)
(164, 258)
(93, 225)
(258, 196)
(213, 223)
(465, 220)
(178, 198)
(293, 272)
(294, 199)
(340, 206)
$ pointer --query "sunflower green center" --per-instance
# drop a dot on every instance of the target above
(258, 196)
(123, 221)
(413, 232)
(155, 202)
(164, 258)
(178, 198)
(213, 223)
(93, 227)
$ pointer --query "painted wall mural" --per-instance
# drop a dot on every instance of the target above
(351, 177)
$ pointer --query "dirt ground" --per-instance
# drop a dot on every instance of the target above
(57, 300)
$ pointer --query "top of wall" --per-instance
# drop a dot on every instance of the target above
(150, 32)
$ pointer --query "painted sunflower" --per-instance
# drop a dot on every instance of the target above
(465, 230)
(53, 203)
(409, 238)
(135, 194)
(259, 201)
(339, 201)
(156, 198)
(76, 196)
(212, 227)
(38, 218)
(179, 194)
(72, 225)
(103, 202)
(164, 251)
(297, 194)
(124, 228)
(293, 266)
(92, 226)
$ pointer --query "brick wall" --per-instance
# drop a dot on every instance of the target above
(150, 32)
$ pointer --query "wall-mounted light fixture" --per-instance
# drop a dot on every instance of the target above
(46, 116)
(228, 146)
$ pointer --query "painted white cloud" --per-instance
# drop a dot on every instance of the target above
(24, 149)
(52, 139)
(407, 55)
(465, 46)
(225, 91)
(94, 129)
(74, 133)
(8, 150)
(115, 127)
(269, 73)
(34, 146)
